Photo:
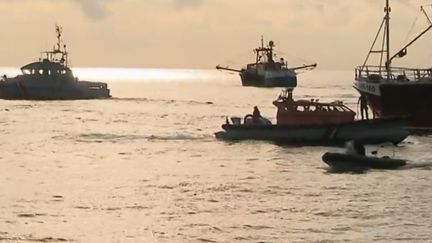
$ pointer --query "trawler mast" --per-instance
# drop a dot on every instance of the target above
(384, 50)
(387, 37)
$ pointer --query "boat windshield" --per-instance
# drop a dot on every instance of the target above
(252, 66)
(33, 71)
(321, 107)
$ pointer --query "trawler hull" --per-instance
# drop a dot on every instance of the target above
(268, 80)
(412, 100)
(367, 132)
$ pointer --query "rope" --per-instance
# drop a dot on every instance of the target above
(293, 57)
(358, 109)
(421, 12)
(411, 30)
(236, 59)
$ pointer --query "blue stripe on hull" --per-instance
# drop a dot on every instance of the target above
(259, 81)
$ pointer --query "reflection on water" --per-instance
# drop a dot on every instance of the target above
(147, 75)
(145, 167)
(136, 74)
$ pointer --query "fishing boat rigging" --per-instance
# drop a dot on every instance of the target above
(396, 91)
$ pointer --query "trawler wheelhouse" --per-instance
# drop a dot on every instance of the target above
(265, 56)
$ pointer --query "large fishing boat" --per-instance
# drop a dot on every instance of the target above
(267, 71)
(314, 123)
(50, 78)
(396, 91)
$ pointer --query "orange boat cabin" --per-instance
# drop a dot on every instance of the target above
(308, 112)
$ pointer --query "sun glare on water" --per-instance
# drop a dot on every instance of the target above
(136, 74)
(144, 75)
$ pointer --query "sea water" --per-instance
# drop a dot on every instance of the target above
(144, 166)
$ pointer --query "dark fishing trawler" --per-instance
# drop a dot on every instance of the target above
(396, 91)
(50, 78)
(313, 123)
(266, 71)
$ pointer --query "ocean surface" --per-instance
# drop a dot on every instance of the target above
(144, 166)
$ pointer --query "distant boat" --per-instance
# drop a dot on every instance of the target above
(266, 71)
(313, 123)
(396, 91)
(50, 78)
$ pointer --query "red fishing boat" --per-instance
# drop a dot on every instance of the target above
(396, 91)
(312, 122)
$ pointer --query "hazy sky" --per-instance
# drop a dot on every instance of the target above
(202, 33)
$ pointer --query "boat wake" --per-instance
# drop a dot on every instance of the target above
(361, 169)
(421, 165)
(116, 138)
(180, 137)
(346, 170)
(166, 101)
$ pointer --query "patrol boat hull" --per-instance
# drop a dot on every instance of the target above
(81, 90)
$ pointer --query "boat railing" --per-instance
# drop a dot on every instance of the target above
(97, 85)
(378, 73)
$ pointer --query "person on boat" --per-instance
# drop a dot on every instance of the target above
(270, 58)
(256, 118)
(355, 148)
(256, 113)
(364, 107)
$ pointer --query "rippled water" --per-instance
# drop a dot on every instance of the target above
(145, 167)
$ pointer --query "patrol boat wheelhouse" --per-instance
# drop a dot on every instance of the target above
(50, 78)
(266, 71)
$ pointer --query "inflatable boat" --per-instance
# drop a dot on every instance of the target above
(349, 162)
